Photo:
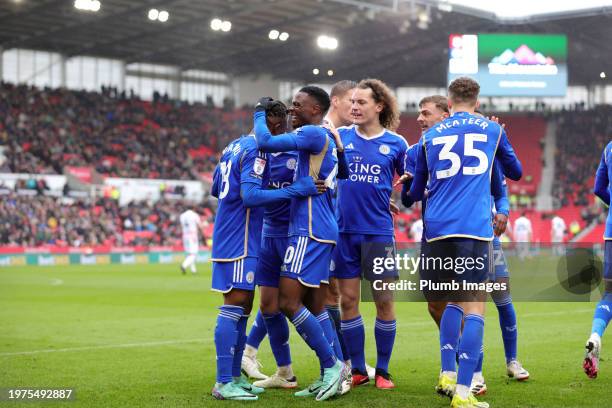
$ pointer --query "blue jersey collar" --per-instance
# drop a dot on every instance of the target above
(460, 113)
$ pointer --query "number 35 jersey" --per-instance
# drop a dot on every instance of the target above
(237, 232)
(459, 153)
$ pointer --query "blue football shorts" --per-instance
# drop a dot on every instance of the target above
(239, 274)
(271, 257)
(307, 261)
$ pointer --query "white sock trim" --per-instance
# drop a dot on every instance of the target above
(286, 372)
(463, 391)
(451, 374)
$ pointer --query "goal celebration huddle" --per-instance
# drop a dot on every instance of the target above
(305, 199)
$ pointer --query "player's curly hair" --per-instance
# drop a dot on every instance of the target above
(464, 90)
(276, 109)
(390, 115)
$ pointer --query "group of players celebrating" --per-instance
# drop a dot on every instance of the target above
(296, 208)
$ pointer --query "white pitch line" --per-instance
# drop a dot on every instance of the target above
(171, 342)
(108, 346)
(559, 313)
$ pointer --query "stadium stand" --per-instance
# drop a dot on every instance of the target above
(64, 221)
(582, 135)
(43, 130)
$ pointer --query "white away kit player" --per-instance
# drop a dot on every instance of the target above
(190, 226)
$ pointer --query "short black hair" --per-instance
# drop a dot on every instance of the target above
(319, 95)
(277, 109)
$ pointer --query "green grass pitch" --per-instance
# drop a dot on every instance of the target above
(141, 336)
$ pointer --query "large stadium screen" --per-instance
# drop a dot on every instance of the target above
(511, 64)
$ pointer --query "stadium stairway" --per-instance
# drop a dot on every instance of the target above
(592, 233)
(544, 199)
(526, 135)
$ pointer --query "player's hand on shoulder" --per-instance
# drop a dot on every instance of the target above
(495, 119)
(330, 126)
(263, 104)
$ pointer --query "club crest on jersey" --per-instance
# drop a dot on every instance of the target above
(259, 166)
(291, 164)
(250, 277)
(384, 149)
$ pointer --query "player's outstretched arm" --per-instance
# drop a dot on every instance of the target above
(601, 180)
(511, 165)
(254, 196)
(254, 168)
(308, 138)
(285, 142)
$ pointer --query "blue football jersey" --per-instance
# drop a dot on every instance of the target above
(410, 167)
(411, 157)
(458, 155)
(237, 232)
(603, 178)
(363, 198)
(282, 171)
(314, 216)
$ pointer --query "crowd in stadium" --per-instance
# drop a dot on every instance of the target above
(576, 161)
(43, 130)
(64, 221)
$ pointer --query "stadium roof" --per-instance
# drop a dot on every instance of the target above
(521, 11)
(403, 42)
